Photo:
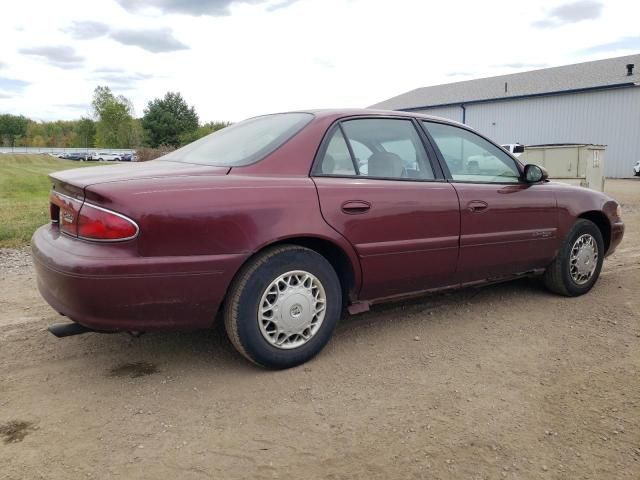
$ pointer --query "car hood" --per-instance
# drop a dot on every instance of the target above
(81, 178)
(558, 184)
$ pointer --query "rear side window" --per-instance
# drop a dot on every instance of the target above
(243, 143)
(470, 158)
(376, 148)
(337, 159)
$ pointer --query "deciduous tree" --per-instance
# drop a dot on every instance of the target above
(12, 127)
(114, 116)
(85, 133)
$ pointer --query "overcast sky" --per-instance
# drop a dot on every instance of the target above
(234, 59)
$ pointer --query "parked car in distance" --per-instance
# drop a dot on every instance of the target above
(127, 157)
(106, 156)
(75, 156)
(516, 149)
(281, 222)
(636, 169)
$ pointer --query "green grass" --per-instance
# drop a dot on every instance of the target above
(24, 194)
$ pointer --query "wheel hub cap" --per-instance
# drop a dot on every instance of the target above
(296, 311)
(583, 259)
(291, 309)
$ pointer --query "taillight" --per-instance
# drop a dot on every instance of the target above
(89, 222)
(97, 223)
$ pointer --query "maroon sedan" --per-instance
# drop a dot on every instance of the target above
(280, 222)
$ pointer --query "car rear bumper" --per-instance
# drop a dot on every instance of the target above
(109, 287)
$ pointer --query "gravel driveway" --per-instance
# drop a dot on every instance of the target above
(507, 381)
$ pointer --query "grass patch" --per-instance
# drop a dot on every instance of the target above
(24, 194)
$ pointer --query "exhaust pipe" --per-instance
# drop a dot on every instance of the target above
(61, 330)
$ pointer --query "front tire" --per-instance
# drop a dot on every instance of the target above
(283, 307)
(577, 265)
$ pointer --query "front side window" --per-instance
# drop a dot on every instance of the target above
(377, 148)
(470, 158)
(243, 143)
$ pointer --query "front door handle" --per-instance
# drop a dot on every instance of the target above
(476, 206)
(353, 207)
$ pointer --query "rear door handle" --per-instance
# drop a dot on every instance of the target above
(476, 206)
(353, 207)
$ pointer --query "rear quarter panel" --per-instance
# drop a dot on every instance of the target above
(228, 214)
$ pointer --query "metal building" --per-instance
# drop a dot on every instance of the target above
(587, 103)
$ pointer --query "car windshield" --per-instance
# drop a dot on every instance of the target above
(243, 143)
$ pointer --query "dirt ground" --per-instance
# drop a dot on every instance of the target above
(507, 381)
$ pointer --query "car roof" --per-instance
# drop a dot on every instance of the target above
(369, 112)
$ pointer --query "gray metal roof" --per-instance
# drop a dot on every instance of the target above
(608, 72)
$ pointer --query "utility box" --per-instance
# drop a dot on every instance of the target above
(576, 164)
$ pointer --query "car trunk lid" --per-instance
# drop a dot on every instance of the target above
(70, 187)
(73, 182)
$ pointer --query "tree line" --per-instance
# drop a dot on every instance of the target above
(167, 121)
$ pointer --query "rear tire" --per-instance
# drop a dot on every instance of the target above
(577, 265)
(283, 307)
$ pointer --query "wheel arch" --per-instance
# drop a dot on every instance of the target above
(602, 222)
(347, 272)
(342, 261)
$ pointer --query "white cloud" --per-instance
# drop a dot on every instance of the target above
(84, 30)
(259, 56)
(215, 8)
(572, 12)
(61, 56)
(153, 40)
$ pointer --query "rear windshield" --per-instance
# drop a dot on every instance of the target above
(242, 143)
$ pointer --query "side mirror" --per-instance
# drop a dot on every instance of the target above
(535, 173)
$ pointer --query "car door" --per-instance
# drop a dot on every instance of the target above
(507, 226)
(378, 187)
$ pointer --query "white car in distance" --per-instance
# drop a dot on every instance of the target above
(106, 156)
(516, 149)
